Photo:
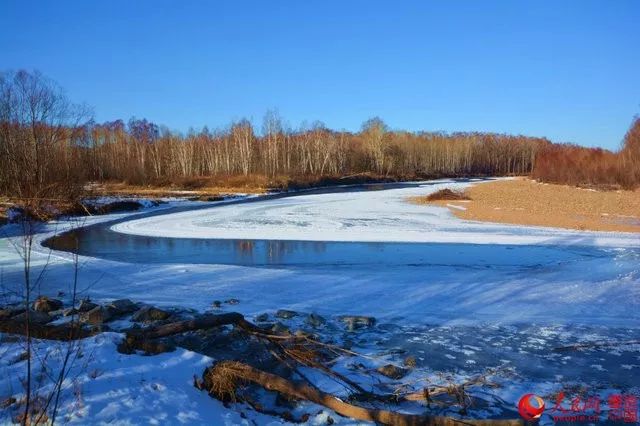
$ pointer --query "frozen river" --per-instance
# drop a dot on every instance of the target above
(462, 297)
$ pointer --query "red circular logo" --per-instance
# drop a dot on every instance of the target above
(531, 406)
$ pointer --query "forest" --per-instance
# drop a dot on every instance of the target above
(51, 147)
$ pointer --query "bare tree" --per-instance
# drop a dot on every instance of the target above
(272, 132)
(36, 118)
(242, 135)
(374, 131)
(38, 126)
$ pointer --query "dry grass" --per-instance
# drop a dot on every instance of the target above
(221, 380)
(526, 202)
(445, 194)
(4, 206)
(216, 186)
(203, 186)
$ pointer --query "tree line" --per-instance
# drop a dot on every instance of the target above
(594, 167)
(49, 145)
(140, 152)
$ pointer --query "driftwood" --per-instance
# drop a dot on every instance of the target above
(146, 339)
(199, 323)
(222, 378)
(62, 332)
(429, 392)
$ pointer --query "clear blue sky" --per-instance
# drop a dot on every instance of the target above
(568, 70)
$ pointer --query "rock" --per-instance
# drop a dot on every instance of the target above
(232, 301)
(36, 317)
(98, 315)
(44, 304)
(149, 313)
(279, 328)
(285, 314)
(56, 314)
(354, 322)
(7, 313)
(70, 311)
(217, 304)
(315, 320)
(410, 361)
(123, 306)
(262, 318)
(392, 372)
(86, 305)
(302, 333)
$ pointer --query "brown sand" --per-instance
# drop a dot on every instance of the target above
(526, 202)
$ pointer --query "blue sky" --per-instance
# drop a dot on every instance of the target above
(567, 70)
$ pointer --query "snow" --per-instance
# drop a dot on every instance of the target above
(459, 313)
(375, 216)
(112, 388)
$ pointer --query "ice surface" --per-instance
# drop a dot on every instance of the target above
(358, 216)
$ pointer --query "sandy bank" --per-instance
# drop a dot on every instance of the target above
(526, 202)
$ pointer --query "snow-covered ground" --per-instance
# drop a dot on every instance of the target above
(458, 318)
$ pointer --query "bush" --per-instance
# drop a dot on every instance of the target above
(447, 194)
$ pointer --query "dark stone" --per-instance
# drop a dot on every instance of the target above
(302, 333)
(315, 320)
(217, 304)
(354, 322)
(36, 317)
(232, 301)
(285, 314)
(7, 313)
(86, 305)
(44, 304)
(392, 372)
(56, 314)
(69, 311)
(98, 315)
(149, 314)
(123, 306)
(262, 318)
(279, 328)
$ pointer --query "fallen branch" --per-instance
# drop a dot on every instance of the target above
(145, 339)
(199, 323)
(429, 392)
(222, 378)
